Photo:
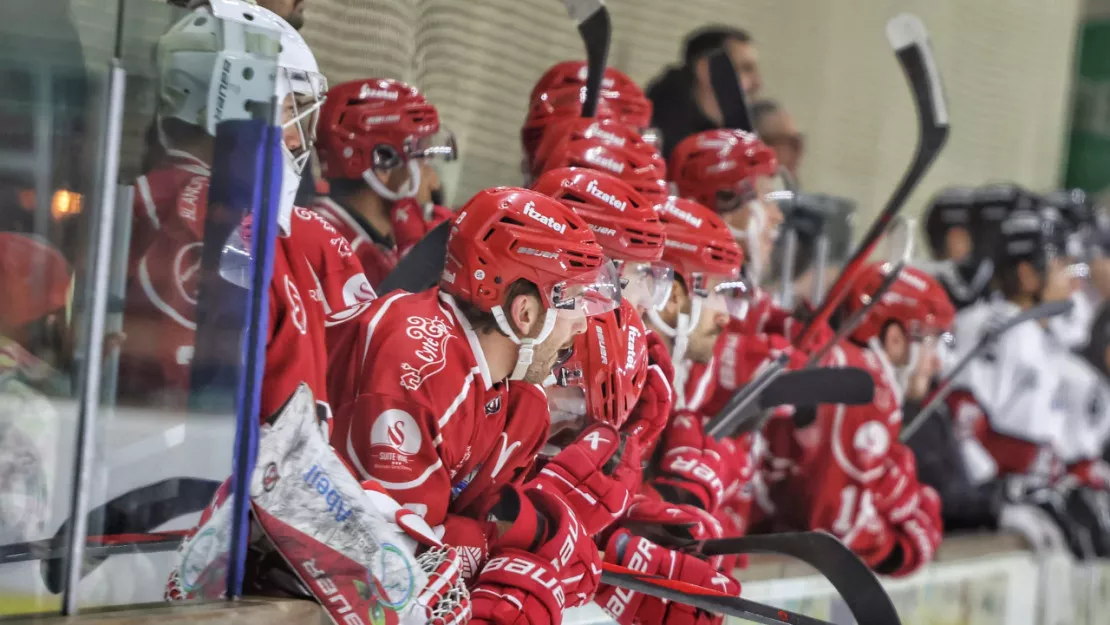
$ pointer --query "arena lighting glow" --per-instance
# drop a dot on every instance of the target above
(65, 203)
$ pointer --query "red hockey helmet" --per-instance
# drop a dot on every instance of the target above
(628, 101)
(625, 224)
(377, 124)
(551, 108)
(608, 368)
(720, 168)
(916, 301)
(505, 234)
(699, 243)
(607, 146)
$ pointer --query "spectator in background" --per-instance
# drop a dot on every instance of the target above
(683, 96)
(291, 11)
(777, 129)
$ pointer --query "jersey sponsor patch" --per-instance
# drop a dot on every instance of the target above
(493, 406)
(431, 351)
(394, 438)
(297, 312)
(872, 440)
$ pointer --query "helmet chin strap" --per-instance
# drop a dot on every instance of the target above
(407, 190)
(680, 332)
(527, 345)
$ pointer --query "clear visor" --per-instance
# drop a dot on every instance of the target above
(597, 294)
(441, 145)
(731, 297)
(759, 189)
(647, 285)
(567, 405)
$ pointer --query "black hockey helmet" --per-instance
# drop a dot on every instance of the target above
(950, 208)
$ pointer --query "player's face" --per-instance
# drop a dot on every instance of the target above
(745, 58)
(291, 11)
(550, 351)
(710, 325)
(1058, 284)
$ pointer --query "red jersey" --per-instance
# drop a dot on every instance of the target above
(374, 250)
(316, 282)
(420, 414)
(824, 476)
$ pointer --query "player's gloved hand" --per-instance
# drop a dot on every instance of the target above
(919, 534)
(649, 416)
(1052, 501)
(542, 563)
(1034, 525)
(596, 474)
(640, 554)
(1091, 508)
(897, 492)
(691, 464)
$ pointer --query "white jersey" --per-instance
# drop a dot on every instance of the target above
(1087, 408)
(1074, 328)
(1017, 380)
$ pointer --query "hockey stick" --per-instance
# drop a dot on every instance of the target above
(133, 513)
(737, 415)
(948, 383)
(707, 599)
(96, 547)
(857, 584)
(910, 40)
(594, 26)
(729, 92)
(809, 387)
(420, 269)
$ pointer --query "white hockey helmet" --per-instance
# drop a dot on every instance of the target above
(217, 64)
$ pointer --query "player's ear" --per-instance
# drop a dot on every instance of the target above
(676, 303)
(526, 312)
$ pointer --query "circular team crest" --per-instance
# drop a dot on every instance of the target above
(203, 559)
(872, 440)
(396, 578)
(397, 430)
(270, 477)
(186, 271)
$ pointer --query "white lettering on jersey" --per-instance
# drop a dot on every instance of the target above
(550, 222)
(187, 201)
(396, 430)
(433, 335)
(503, 456)
(297, 312)
(608, 198)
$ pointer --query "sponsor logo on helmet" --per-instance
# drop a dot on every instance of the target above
(913, 281)
(550, 222)
(608, 198)
(534, 252)
(606, 136)
(601, 345)
(382, 119)
(633, 336)
(221, 89)
(603, 230)
(367, 92)
(679, 245)
(593, 158)
(449, 276)
(717, 168)
(606, 82)
(686, 216)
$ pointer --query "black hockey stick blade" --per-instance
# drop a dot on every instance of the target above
(948, 383)
(97, 548)
(136, 511)
(712, 602)
(595, 28)
(420, 269)
(729, 416)
(805, 389)
(857, 584)
(729, 92)
(910, 40)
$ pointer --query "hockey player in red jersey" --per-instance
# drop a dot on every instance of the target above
(445, 410)
(317, 281)
(375, 136)
(843, 469)
(557, 97)
(737, 175)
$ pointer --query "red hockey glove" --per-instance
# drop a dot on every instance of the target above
(919, 534)
(896, 492)
(543, 563)
(691, 468)
(596, 475)
(639, 554)
(649, 416)
(659, 355)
